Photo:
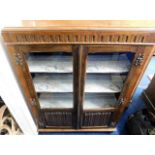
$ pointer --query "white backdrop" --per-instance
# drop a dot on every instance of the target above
(11, 94)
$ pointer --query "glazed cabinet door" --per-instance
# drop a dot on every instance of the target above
(52, 75)
(46, 74)
(111, 74)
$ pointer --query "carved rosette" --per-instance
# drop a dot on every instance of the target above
(8, 125)
(19, 56)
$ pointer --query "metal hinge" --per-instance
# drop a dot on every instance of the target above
(139, 60)
(121, 101)
(33, 101)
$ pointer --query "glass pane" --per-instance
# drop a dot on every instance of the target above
(105, 77)
(98, 101)
(50, 63)
(56, 101)
(103, 83)
(52, 75)
(53, 83)
(108, 63)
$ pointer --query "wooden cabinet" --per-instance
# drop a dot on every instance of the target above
(78, 78)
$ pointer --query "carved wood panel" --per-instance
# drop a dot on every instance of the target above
(77, 37)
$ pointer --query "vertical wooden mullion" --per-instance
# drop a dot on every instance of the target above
(79, 67)
(83, 52)
(76, 88)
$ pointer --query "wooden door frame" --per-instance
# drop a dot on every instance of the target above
(18, 58)
(141, 59)
(137, 69)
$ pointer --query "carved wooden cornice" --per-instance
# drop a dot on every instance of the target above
(47, 36)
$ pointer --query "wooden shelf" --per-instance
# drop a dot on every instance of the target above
(65, 101)
(50, 64)
(99, 101)
(114, 63)
(103, 83)
(64, 83)
(64, 64)
(56, 100)
(53, 83)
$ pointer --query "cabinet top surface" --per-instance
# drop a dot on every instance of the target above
(84, 24)
(81, 32)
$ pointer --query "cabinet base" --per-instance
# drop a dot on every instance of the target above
(78, 130)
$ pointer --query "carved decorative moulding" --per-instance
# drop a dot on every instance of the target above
(34, 36)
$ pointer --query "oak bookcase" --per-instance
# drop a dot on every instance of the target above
(79, 75)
